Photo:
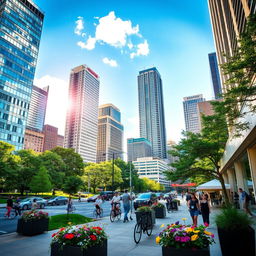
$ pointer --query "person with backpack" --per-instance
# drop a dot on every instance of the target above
(245, 198)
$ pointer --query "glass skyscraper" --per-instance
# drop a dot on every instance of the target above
(151, 111)
(215, 75)
(21, 24)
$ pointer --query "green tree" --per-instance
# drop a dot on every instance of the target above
(200, 154)
(240, 85)
(73, 161)
(72, 185)
(41, 181)
(92, 176)
(55, 167)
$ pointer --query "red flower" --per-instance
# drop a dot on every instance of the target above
(69, 236)
(99, 228)
(54, 234)
(93, 237)
(61, 229)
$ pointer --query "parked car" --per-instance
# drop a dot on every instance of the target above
(92, 198)
(145, 199)
(159, 195)
(107, 195)
(26, 203)
(58, 200)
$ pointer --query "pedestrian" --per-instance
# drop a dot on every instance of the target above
(9, 206)
(188, 197)
(69, 205)
(79, 198)
(34, 204)
(236, 200)
(17, 207)
(205, 208)
(245, 200)
(126, 204)
(98, 204)
(193, 205)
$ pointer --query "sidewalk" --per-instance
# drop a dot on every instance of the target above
(120, 242)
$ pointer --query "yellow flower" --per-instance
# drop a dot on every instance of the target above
(69, 223)
(184, 219)
(188, 230)
(162, 226)
(158, 239)
(207, 233)
(196, 231)
(194, 237)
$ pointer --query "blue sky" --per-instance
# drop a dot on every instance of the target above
(174, 36)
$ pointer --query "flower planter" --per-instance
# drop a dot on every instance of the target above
(237, 242)
(171, 251)
(140, 215)
(32, 227)
(160, 212)
(67, 250)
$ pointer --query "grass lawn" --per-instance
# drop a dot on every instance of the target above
(2, 201)
(62, 220)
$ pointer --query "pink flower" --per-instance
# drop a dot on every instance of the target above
(206, 224)
(212, 235)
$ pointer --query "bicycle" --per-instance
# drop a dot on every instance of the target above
(144, 224)
(98, 213)
(116, 213)
(13, 215)
(71, 209)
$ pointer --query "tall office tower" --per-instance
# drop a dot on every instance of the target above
(215, 75)
(82, 116)
(170, 146)
(110, 133)
(191, 115)
(37, 108)
(60, 141)
(50, 137)
(151, 111)
(138, 148)
(228, 22)
(21, 24)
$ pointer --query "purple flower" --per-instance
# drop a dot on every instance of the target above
(173, 230)
(177, 238)
(177, 223)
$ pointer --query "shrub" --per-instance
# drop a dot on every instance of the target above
(144, 209)
(157, 205)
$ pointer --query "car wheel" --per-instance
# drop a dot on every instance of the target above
(42, 206)
(25, 207)
(53, 203)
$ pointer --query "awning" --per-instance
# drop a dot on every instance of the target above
(212, 185)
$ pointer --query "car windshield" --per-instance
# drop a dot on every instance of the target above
(26, 199)
(144, 196)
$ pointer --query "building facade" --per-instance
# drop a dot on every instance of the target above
(50, 137)
(228, 22)
(82, 117)
(192, 118)
(37, 108)
(151, 110)
(110, 133)
(215, 75)
(138, 148)
(170, 146)
(34, 140)
(152, 168)
(60, 141)
(21, 24)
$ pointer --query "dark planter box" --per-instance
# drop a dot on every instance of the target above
(160, 212)
(68, 250)
(170, 251)
(32, 227)
(237, 242)
(140, 215)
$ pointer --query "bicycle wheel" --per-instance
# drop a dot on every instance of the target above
(137, 233)
(101, 213)
(112, 215)
(12, 215)
(95, 214)
(149, 226)
(119, 214)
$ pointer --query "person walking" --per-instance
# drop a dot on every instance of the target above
(17, 207)
(193, 205)
(205, 209)
(69, 205)
(236, 200)
(188, 197)
(126, 204)
(245, 200)
(9, 206)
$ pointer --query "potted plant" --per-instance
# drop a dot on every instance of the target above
(79, 241)
(180, 240)
(236, 235)
(140, 213)
(33, 222)
(159, 209)
(177, 201)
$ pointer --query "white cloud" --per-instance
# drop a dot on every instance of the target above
(110, 62)
(89, 45)
(57, 100)
(142, 49)
(79, 26)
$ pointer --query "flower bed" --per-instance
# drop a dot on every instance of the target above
(193, 239)
(83, 240)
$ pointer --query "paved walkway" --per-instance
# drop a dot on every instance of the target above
(120, 242)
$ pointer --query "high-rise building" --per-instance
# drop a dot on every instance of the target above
(21, 24)
(151, 110)
(192, 119)
(37, 108)
(170, 146)
(215, 75)
(82, 116)
(110, 133)
(50, 137)
(34, 140)
(153, 168)
(138, 148)
(60, 141)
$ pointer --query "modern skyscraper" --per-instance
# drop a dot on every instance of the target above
(21, 24)
(151, 110)
(82, 116)
(60, 141)
(170, 146)
(215, 75)
(110, 133)
(191, 115)
(138, 148)
(37, 108)
(50, 137)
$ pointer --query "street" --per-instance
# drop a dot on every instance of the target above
(83, 208)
